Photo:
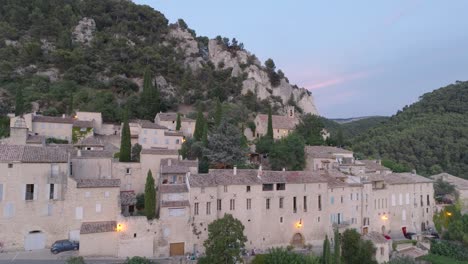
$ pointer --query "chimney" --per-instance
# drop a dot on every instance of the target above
(63, 115)
(413, 171)
(234, 170)
(284, 169)
(78, 153)
(259, 173)
(169, 162)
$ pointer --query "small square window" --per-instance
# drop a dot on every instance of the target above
(127, 170)
(281, 219)
(10, 165)
(248, 188)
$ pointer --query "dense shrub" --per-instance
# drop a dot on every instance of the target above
(449, 249)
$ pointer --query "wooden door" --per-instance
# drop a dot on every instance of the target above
(176, 249)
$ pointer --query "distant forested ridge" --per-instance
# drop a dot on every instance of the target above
(353, 128)
(430, 135)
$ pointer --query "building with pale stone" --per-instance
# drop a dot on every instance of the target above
(94, 197)
(169, 120)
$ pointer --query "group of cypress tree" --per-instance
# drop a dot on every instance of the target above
(150, 103)
(327, 256)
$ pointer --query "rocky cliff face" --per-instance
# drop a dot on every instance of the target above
(242, 62)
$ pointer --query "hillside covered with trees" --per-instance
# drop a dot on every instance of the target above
(429, 135)
(91, 55)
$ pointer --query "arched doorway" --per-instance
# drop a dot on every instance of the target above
(34, 240)
(298, 240)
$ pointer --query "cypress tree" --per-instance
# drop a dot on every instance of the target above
(150, 100)
(205, 135)
(156, 102)
(269, 133)
(337, 253)
(125, 141)
(339, 138)
(178, 122)
(19, 102)
(150, 196)
(326, 256)
(199, 126)
(218, 113)
(70, 105)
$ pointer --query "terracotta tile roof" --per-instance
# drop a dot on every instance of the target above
(91, 142)
(174, 133)
(173, 117)
(280, 122)
(150, 125)
(97, 183)
(405, 178)
(373, 165)
(174, 169)
(325, 152)
(83, 124)
(459, 183)
(54, 119)
(160, 151)
(249, 177)
(186, 163)
(175, 203)
(173, 188)
(128, 198)
(32, 154)
(375, 237)
(98, 227)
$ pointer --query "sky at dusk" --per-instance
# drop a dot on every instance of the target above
(358, 58)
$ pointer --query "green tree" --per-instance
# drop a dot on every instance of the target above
(218, 113)
(149, 97)
(326, 253)
(337, 247)
(125, 141)
(225, 147)
(19, 102)
(269, 133)
(339, 138)
(356, 250)
(70, 105)
(136, 150)
(275, 78)
(205, 135)
(225, 241)
(310, 128)
(150, 196)
(442, 188)
(199, 126)
(288, 153)
(178, 122)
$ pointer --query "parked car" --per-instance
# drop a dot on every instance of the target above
(64, 245)
(408, 235)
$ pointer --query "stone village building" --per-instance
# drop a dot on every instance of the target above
(82, 193)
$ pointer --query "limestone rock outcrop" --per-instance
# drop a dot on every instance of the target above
(84, 32)
(257, 80)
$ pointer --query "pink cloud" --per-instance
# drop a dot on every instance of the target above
(338, 80)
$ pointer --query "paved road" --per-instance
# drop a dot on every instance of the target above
(45, 257)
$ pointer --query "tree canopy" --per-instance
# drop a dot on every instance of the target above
(430, 132)
(225, 240)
